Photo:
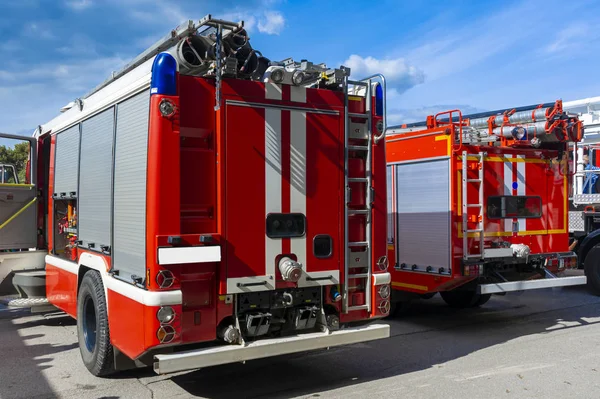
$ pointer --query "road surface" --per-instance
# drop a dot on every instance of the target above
(541, 344)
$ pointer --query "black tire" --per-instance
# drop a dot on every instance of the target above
(464, 299)
(399, 308)
(428, 296)
(483, 299)
(92, 326)
(592, 269)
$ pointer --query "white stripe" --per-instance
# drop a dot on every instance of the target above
(298, 164)
(521, 188)
(176, 256)
(382, 278)
(273, 91)
(508, 178)
(96, 262)
(298, 94)
(273, 247)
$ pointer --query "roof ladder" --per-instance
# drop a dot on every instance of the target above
(358, 263)
(466, 205)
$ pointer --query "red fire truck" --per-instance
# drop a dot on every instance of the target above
(206, 205)
(477, 204)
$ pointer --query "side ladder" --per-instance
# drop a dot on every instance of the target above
(358, 262)
(470, 217)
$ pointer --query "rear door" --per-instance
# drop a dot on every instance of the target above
(284, 172)
(18, 193)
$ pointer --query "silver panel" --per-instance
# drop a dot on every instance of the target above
(66, 165)
(225, 354)
(390, 205)
(423, 213)
(95, 180)
(576, 221)
(358, 130)
(586, 199)
(21, 232)
(129, 208)
(531, 284)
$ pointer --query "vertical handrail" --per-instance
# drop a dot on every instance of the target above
(465, 209)
(346, 197)
(452, 124)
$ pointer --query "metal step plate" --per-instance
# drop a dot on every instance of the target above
(37, 304)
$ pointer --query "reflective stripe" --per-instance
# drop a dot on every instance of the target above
(273, 247)
(298, 164)
(508, 179)
(521, 188)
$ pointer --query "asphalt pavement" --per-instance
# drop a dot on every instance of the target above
(539, 344)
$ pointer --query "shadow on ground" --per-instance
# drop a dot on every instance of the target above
(22, 358)
(428, 335)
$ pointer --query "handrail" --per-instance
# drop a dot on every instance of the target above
(451, 122)
(376, 139)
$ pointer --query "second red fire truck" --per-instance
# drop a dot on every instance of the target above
(206, 205)
(478, 204)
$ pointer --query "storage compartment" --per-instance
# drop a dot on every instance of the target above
(65, 228)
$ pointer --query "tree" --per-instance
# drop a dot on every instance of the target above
(16, 156)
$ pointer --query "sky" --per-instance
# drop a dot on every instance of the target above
(436, 55)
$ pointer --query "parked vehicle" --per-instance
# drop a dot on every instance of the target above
(193, 206)
(478, 204)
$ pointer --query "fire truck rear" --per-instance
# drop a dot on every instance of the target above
(207, 205)
(478, 204)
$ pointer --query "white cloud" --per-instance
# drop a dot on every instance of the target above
(236, 16)
(272, 23)
(38, 32)
(47, 88)
(569, 37)
(78, 5)
(397, 71)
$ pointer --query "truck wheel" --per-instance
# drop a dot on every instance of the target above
(92, 326)
(464, 299)
(592, 269)
(399, 308)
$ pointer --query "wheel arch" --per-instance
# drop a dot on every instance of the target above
(87, 262)
(589, 242)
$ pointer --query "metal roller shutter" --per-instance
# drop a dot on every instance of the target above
(66, 165)
(95, 181)
(423, 213)
(131, 151)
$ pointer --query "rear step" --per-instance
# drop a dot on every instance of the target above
(225, 354)
(31, 292)
(512, 286)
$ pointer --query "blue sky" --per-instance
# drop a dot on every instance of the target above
(476, 55)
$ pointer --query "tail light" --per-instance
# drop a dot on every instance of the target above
(165, 279)
(561, 262)
(165, 334)
(472, 270)
(167, 330)
(382, 291)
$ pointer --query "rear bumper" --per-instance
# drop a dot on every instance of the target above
(530, 284)
(225, 354)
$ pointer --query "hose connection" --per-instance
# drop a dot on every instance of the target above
(290, 269)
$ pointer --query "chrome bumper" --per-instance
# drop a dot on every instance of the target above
(530, 284)
(225, 354)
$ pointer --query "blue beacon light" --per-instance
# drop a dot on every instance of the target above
(164, 75)
(378, 100)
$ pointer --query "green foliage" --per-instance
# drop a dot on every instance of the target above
(16, 156)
